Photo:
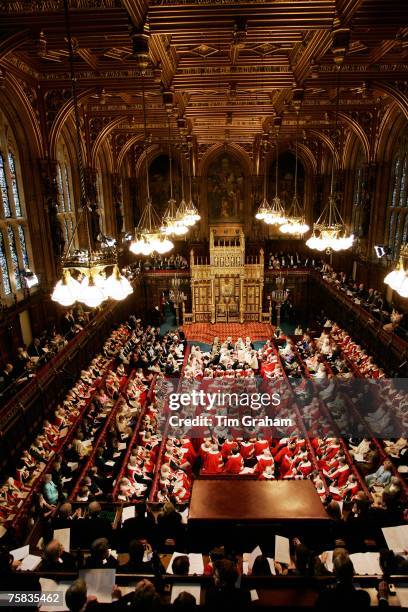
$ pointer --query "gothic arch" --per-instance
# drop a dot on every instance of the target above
(328, 142)
(392, 124)
(18, 108)
(398, 96)
(234, 149)
(359, 131)
(126, 148)
(101, 136)
(62, 116)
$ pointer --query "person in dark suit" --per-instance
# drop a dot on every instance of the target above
(142, 525)
(100, 557)
(139, 552)
(56, 559)
(93, 527)
(343, 595)
(224, 595)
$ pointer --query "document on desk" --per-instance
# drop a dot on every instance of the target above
(30, 563)
(402, 594)
(282, 553)
(64, 537)
(193, 589)
(100, 583)
(366, 564)
(327, 559)
(20, 553)
(396, 538)
(196, 563)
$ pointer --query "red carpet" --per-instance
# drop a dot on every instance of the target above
(205, 332)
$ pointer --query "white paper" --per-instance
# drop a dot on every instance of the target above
(254, 595)
(402, 594)
(122, 446)
(110, 463)
(252, 556)
(20, 553)
(100, 583)
(184, 516)
(48, 585)
(193, 589)
(271, 566)
(366, 563)
(282, 554)
(64, 537)
(329, 559)
(128, 512)
(196, 563)
(396, 538)
(30, 563)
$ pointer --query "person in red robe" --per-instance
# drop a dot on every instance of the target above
(263, 461)
(260, 445)
(213, 462)
(235, 462)
(228, 446)
(247, 450)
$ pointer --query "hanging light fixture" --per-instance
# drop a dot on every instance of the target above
(170, 216)
(330, 232)
(397, 279)
(89, 265)
(192, 214)
(182, 219)
(276, 212)
(295, 223)
(149, 237)
(264, 207)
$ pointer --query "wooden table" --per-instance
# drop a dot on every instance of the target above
(255, 500)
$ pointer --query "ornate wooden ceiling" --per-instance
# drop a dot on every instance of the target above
(235, 68)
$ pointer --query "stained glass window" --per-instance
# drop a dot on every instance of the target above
(67, 189)
(4, 189)
(14, 184)
(23, 246)
(398, 197)
(14, 257)
(6, 287)
(61, 196)
(66, 213)
(15, 250)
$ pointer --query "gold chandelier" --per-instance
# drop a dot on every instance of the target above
(84, 272)
(276, 213)
(296, 222)
(397, 279)
(149, 238)
(174, 223)
(330, 232)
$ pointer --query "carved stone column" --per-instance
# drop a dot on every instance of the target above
(94, 214)
(49, 183)
(117, 203)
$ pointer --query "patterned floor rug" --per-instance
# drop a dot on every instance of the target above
(206, 332)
